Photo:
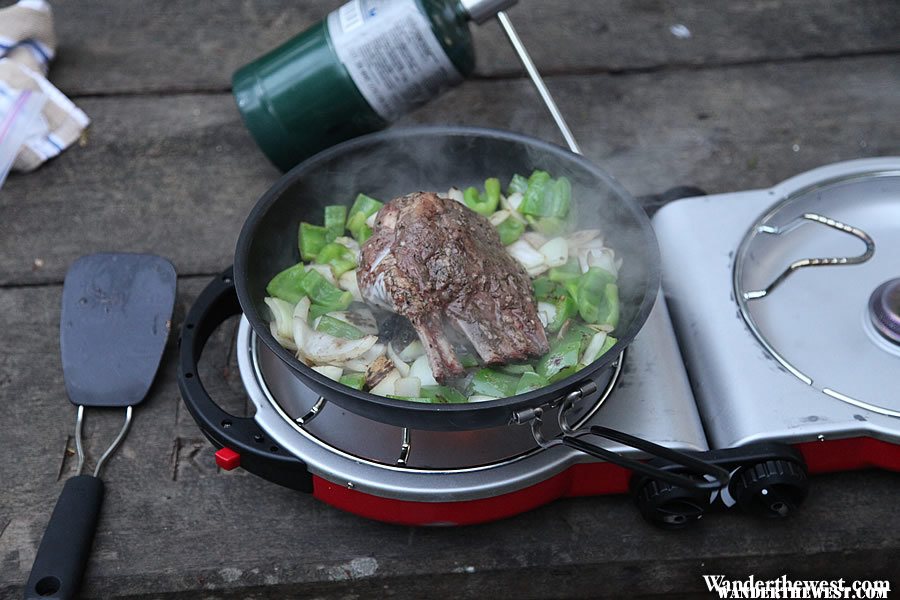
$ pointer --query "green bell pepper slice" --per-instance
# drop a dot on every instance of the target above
(335, 221)
(518, 183)
(354, 380)
(311, 239)
(338, 328)
(365, 205)
(530, 382)
(287, 284)
(564, 353)
(510, 230)
(597, 296)
(566, 308)
(338, 257)
(484, 204)
(488, 382)
(324, 293)
(570, 270)
(546, 197)
(544, 288)
(441, 394)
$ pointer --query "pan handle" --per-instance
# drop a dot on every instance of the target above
(215, 304)
(691, 464)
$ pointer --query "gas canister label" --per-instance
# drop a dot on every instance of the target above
(391, 53)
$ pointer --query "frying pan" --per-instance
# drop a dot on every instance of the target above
(391, 163)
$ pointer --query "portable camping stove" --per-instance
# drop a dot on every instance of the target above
(786, 370)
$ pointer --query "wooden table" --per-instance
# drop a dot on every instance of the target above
(760, 91)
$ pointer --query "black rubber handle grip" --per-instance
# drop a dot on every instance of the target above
(66, 545)
(691, 464)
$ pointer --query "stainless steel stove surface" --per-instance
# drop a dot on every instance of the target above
(653, 400)
(795, 357)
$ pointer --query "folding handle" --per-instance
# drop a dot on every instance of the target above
(690, 463)
(216, 303)
(66, 545)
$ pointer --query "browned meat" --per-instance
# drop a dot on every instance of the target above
(435, 261)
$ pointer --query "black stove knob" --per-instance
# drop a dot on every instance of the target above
(670, 506)
(772, 488)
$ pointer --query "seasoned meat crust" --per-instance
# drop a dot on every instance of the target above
(434, 261)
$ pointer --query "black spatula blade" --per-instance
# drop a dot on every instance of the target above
(116, 315)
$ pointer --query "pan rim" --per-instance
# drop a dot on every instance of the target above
(531, 399)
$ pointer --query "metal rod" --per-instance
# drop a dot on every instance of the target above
(538, 81)
(79, 419)
(116, 442)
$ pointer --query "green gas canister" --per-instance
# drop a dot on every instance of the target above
(365, 65)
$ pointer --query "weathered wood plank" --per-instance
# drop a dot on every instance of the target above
(172, 526)
(133, 46)
(177, 175)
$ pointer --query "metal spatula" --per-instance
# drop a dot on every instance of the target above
(116, 312)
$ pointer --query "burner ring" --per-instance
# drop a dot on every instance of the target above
(884, 310)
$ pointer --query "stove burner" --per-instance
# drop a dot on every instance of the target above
(884, 310)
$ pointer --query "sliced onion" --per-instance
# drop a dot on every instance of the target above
(546, 312)
(370, 221)
(422, 370)
(321, 348)
(527, 256)
(604, 258)
(535, 239)
(584, 238)
(556, 252)
(398, 363)
(330, 371)
(414, 350)
(479, 398)
(592, 352)
(512, 202)
(286, 342)
(348, 283)
(538, 271)
(498, 217)
(387, 385)
(409, 387)
(361, 364)
(456, 195)
(281, 315)
(324, 271)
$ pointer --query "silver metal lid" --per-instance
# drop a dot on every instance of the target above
(481, 11)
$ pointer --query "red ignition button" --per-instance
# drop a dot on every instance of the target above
(228, 459)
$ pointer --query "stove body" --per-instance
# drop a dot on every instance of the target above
(840, 407)
(706, 385)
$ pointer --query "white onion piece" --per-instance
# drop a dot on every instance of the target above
(479, 398)
(330, 371)
(287, 342)
(325, 271)
(556, 252)
(370, 221)
(583, 238)
(386, 387)
(350, 244)
(498, 217)
(535, 239)
(592, 352)
(321, 348)
(512, 202)
(538, 270)
(414, 350)
(456, 195)
(422, 370)
(603, 258)
(546, 312)
(348, 283)
(361, 318)
(281, 315)
(527, 256)
(409, 387)
(398, 363)
(362, 363)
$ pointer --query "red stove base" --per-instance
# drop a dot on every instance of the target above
(590, 479)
